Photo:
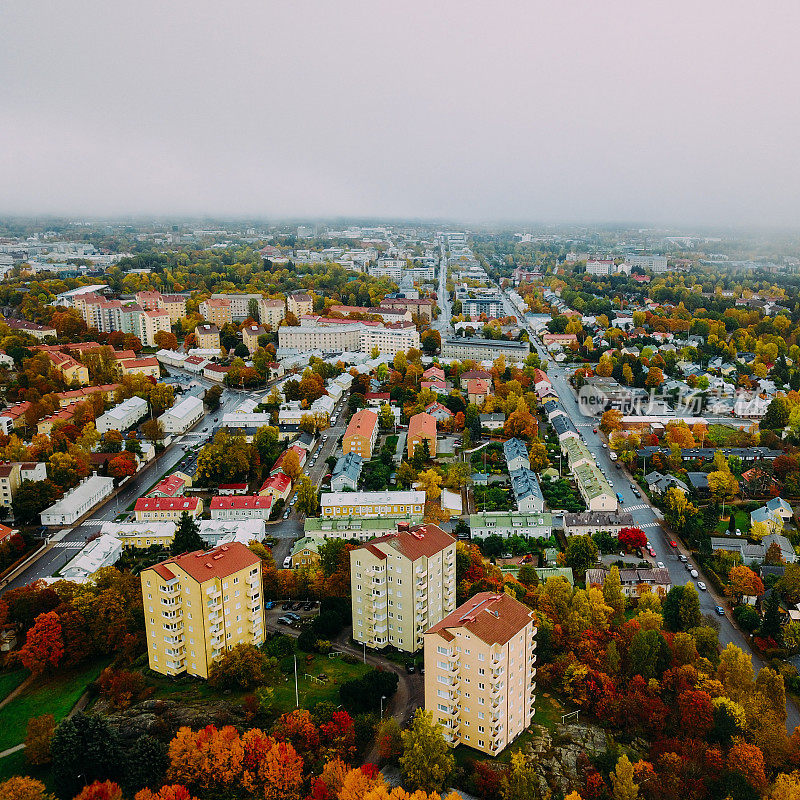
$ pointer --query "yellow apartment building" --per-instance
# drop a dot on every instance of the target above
(216, 310)
(402, 584)
(372, 504)
(299, 304)
(361, 433)
(198, 605)
(10, 481)
(207, 337)
(480, 672)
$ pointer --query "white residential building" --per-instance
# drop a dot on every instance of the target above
(101, 552)
(78, 501)
(123, 416)
(182, 415)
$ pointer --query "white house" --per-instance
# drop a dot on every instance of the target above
(78, 501)
(123, 416)
(101, 552)
(182, 416)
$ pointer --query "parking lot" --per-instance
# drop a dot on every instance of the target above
(289, 613)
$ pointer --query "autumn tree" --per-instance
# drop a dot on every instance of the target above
(521, 423)
(611, 421)
(427, 761)
(166, 340)
(162, 397)
(632, 537)
(307, 497)
(622, 781)
(612, 592)
(581, 553)
(743, 581)
(430, 482)
(100, 790)
(44, 645)
(20, 788)
(37, 739)
(291, 465)
(241, 667)
(521, 781)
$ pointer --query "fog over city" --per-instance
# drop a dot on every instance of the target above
(673, 113)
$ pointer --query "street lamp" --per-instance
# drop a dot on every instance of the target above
(382, 699)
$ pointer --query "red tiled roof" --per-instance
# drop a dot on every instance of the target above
(422, 423)
(166, 504)
(280, 482)
(217, 563)
(233, 486)
(363, 423)
(416, 542)
(248, 501)
(172, 486)
(493, 618)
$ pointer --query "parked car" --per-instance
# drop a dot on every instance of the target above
(287, 562)
(284, 621)
(268, 605)
(298, 606)
(720, 610)
(701, 586)
(637, 492)
(652, 553)
(660, 564)
(309, 606)
(619, 497)
(410, 668)
(292, 615)
(694, 573)
(286, 605)
(673, 543)
(683, 558)
(286, 515)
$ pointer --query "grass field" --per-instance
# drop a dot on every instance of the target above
(720, 434)
(311, 692)
(10, 680)
(742, 522)
(52, 694)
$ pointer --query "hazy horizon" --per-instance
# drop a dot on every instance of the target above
(582, 114)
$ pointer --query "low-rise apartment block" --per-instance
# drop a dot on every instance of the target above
(207, 337)
(461, 348)
(299, 304)
(361, 433)
(78, 501)
(480, 672)
(161, 509)
(216, 310)
(123, 416)
(242, 507)
(271, 312)
(372, 504)
(250, 334)
(421, 428)
(198, 605)
(402, 583)
(182, 415)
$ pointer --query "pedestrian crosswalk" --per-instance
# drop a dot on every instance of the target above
(91, 522)
(651, 525)
(69, 545)
(640, 507)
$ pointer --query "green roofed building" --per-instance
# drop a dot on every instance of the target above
(355, 527)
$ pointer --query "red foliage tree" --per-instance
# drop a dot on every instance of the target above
(122, 466)
(44, 645)
(632, 537)
(100, 790)
(696, 713)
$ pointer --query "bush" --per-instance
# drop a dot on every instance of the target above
(747, 617)
(279, 645)
(241, 667)
(364, 694)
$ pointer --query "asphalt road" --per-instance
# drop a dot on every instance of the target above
(646, 516)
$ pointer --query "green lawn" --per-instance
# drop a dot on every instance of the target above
(311, 692)
(52, 694)
(15, 764)
(10, 680)
(720, 434)
(742, 522)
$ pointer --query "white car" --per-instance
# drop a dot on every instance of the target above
(660, 564)
(701, 586)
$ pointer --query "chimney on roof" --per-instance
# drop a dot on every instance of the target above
(403, 526)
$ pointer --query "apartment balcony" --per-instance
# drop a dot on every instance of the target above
(214, 591)
(171, 591)
(215, 617)
(216, 641)
(254, 614)
(497, 671)
(174, 629)
(173, 615)
(253, 591)
(169, 602)
(534, 658)
(451, 713)
(421, 572)
(533, 672)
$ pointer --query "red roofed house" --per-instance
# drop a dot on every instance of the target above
(491, 635)
(421, 427)
(151, 509)
(201, 583)
(361, 433)
(477, 391)
(475, 373)
(433, 378)
(558, 338)
(277, 486)
(227, 489)
(172, 486)
(300, 452)
(248, 507)
(541, 382)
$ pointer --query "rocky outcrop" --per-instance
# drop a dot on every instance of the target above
(559, 758)
(162, 718)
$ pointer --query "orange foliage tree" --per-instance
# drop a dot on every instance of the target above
(44, 646)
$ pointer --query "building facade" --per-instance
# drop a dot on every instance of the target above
(361, 433)
(372, 504)
(198, 605)
(480, 672)
(401, 584)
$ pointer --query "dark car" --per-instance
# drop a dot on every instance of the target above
(284, 621)
(286, 605)
(309, 606)
(298, 606)
(291, 615)
(410, 668)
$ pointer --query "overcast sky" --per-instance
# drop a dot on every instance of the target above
(670, 112)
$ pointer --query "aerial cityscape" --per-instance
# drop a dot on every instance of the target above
(399, 403)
